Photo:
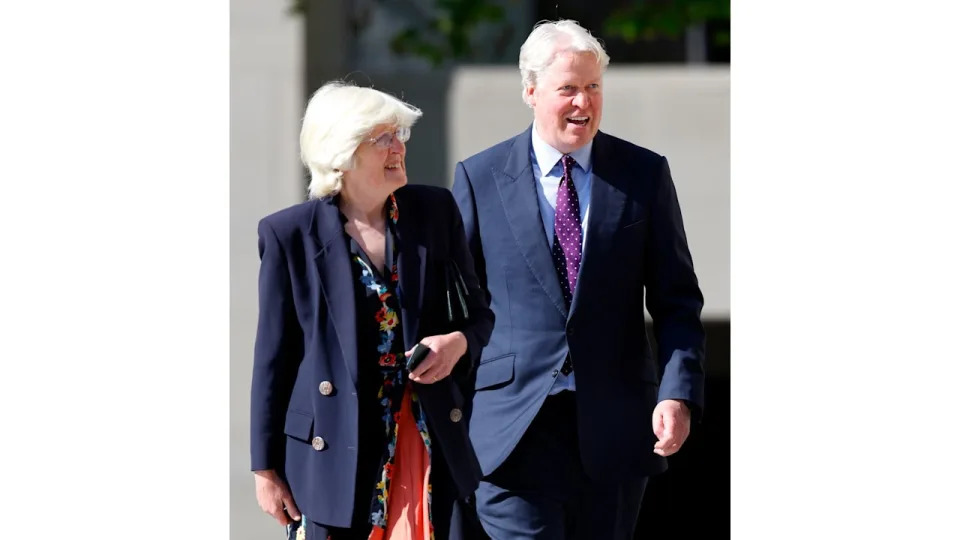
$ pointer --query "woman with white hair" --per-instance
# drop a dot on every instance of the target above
(354, 434)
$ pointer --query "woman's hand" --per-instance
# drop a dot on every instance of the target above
(274, 496)
(445, 351)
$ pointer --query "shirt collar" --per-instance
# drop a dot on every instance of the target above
(548, 156)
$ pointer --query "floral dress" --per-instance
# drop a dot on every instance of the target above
(404, 421)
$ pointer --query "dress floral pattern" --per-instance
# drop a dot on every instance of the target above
(392, 367)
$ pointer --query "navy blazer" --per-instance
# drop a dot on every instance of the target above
(307, 334)
(635, 248)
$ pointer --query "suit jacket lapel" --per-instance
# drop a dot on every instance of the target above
(336, 280)
(518, 194)
(411, 267)
(607, 201)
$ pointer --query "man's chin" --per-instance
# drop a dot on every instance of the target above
(574, 141)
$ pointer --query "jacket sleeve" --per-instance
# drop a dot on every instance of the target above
(674, 299)
(277, 353)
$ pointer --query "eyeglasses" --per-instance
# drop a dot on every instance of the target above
(385, 140)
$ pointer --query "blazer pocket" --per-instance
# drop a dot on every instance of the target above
(298, 425)
(494, 371)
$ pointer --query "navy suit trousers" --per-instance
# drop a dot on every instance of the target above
(541, 491)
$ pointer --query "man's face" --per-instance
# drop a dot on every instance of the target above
(567, 101)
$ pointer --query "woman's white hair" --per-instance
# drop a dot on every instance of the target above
(550, 39)
(340, 116)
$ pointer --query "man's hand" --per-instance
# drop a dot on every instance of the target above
(671, 425)
(273, 495)
(445, 351)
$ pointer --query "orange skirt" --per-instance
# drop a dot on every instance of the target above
(408, 512)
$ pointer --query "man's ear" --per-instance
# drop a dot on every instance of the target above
(529, 94)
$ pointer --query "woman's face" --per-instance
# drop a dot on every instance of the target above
(380, 168)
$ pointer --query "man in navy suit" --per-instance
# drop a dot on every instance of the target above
(572, 230)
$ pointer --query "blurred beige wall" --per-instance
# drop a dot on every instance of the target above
(266, 98)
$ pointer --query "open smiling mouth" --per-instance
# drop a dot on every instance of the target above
(578, 120)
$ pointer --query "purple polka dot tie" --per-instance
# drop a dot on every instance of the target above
(567, 238)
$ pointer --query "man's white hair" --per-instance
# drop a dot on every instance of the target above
(338, 118)
(550, 39)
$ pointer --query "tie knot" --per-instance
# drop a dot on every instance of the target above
(568, 163)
